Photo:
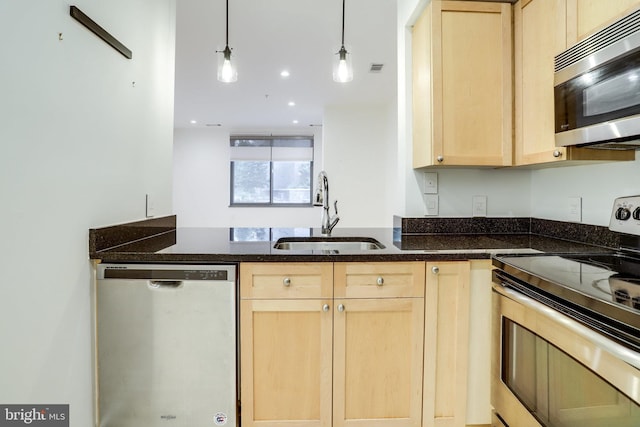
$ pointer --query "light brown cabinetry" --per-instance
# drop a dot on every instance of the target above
(286, 344)
(446, 335)
(587, 16)
(457, 350)
(462, 84)
(348, 356)
(540, 33)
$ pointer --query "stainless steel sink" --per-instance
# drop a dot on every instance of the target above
(331, 244)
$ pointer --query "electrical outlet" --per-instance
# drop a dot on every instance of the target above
(575, 209)
(431, 204)
(479, 206)
(150, 206)
(431, 183)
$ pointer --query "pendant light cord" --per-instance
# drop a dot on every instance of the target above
(343, 1)
(227, 35)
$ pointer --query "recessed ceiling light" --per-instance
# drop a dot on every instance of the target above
(284, 73)
(291, 104)
(193, 122)
(295, 122)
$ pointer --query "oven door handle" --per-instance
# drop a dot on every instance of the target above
(618, 350)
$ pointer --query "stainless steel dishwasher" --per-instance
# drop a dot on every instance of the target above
(166, 345)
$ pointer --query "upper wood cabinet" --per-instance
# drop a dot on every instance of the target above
(587, 16)
(540, 33)
(462, 84)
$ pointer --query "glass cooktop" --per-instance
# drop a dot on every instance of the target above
(605, 283)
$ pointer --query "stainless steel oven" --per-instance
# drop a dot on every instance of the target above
(597, 88)
(566, 336)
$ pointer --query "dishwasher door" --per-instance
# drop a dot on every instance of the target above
(166, 345)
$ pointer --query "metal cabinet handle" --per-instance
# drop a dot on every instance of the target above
(325, 307)
(380, 281)
(557, 153)
(286, 281)
(340, 308)
(435, 269)
(440, 159)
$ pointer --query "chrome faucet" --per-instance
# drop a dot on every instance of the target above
(322, 199)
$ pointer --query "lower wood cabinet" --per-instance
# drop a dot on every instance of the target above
(457, 356)
(446, 335)
(377, 362)
(371, 348)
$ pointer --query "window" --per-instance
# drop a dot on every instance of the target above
(271, 171)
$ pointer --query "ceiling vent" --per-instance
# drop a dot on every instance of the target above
(376, 68)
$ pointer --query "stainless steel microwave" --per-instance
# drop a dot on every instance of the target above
(597, 88)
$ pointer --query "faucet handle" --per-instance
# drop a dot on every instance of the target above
(335, 206)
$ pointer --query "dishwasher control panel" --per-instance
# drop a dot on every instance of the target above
(225, 273)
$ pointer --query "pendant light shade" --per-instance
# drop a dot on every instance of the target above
(227, 71)
(342, 69)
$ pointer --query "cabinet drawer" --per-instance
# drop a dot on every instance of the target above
(379, 280)
(286, 280)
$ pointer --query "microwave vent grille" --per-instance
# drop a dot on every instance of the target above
(599, 40)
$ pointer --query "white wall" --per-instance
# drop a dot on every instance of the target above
(80, 148)
(597, 185)
(201, 182)
(360, 160)
(507, 190)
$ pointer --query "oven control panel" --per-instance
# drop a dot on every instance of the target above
(625, 217)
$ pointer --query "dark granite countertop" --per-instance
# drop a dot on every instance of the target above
(163, 243)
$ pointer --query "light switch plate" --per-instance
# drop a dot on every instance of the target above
(575, 209)
(431, 183)
(479, 206)
(431, 204)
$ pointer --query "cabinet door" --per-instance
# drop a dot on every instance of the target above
(446, 343)
(422, 99)
(586, 16)
(286, 280)
(377, 377)
(378, 279)
(462, 84)
(472, 83)
(286, 350)
(540, 34)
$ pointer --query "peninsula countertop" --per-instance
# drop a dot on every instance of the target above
(208, 245)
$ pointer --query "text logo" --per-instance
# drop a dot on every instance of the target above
(34, 415)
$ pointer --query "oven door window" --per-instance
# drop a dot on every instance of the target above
(557, 389)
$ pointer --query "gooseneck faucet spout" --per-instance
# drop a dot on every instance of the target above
(322, 199)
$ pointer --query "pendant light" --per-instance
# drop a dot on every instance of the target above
(342, 70)
(227, 71)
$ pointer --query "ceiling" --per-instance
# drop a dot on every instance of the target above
(268, 36)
